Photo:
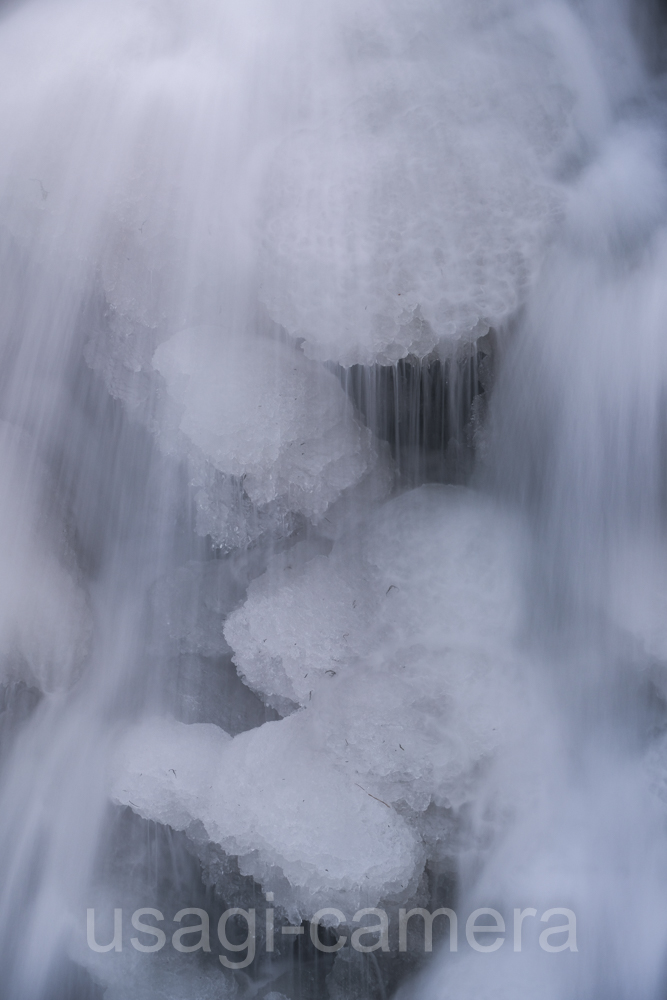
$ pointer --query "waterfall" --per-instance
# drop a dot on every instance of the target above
(333, 413)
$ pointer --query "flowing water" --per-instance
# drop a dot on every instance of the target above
(333, 424)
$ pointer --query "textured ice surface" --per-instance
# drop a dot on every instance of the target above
(399, 649)
(44, 618)
(438, 562)
(276, 802)
(260, 411)
(376, 175)
(399, 644)
(375, 172)
(413, 202)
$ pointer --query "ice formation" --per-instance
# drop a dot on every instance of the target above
(412, 205)
(271, 799)
(261, 412)
(403, 201)
(237, 627)
(379, 592)
(399, 648)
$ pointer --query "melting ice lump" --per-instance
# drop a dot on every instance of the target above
(438, 565)
(260, 411)
(296, 823)
(399, 645)
(376, 174)
(413, 203)
(299, 625)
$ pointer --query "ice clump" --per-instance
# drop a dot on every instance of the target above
(377, 176)
(413, 202)
(400, 645)
(44, 618)
(299, 622)
(268, 797)
(260, 411)
(399, 650)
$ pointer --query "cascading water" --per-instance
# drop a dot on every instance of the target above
(334, 553)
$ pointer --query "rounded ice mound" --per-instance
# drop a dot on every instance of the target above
(44, 617)
(268, 797)
(398, 647)
(377, 175)
(413, 202)
(300, 620)
(437, 566)
(399, 644)
(262, 412)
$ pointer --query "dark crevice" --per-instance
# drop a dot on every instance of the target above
(428, 410)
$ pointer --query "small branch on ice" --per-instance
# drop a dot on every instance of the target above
(373, 796)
